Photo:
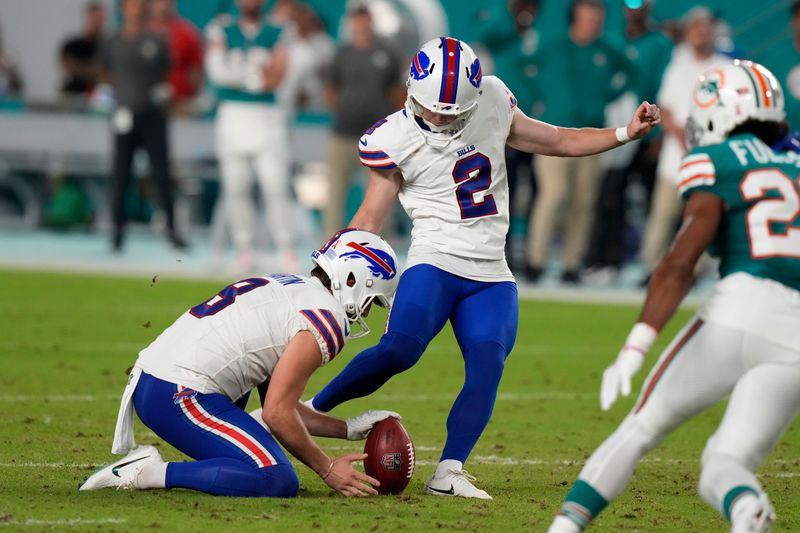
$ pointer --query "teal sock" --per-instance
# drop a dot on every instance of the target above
(730, 497)
(582, 504)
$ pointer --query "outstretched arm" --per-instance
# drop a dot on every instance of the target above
(536, 137)
(381, 195)
(300, 359)
(669, 284)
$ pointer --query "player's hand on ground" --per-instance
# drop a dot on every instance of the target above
(358, 427)
(646, 117)
(348, 481)
(617, 377)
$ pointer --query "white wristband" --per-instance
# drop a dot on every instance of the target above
(641, 337)
(622, 135)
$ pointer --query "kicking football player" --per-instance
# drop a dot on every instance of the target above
(742, 202)
(443, 156)
(191, 384)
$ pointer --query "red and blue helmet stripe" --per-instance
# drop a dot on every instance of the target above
(451, 58)
(381, 264)
(333, 239)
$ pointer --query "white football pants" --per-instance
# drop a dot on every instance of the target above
(703, 363)
(253, 139)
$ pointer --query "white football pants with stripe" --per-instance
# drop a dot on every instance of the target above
(703, 363)
(252, 140)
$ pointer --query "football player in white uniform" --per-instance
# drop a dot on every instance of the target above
(742, 201)
(443, 156)
(246, 61)
(191, 384)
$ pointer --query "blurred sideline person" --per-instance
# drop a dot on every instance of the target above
(246, 61)
(79, 52)
(191, 385)
(10, 80)
(364, 85)
(186, 52)
(309, 54)
(136, 62)
(443, 156)
(689, 59)
(581, 73)
(740, 186)
(509, 32)
(649, 50)
(783, 59)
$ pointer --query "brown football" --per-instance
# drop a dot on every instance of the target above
(390, 456)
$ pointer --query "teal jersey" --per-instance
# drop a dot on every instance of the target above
(576, 83)
(760, 230)
(513, 53)
(251, 47)
(650, 54)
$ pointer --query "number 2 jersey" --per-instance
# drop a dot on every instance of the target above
(456, 195)
(231, 343)
(758, 241)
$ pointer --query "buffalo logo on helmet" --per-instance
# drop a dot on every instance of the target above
(474, 73)
(381, 264)
(420, 66)
(392, 461)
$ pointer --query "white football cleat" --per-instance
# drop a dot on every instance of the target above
(454, 483)
(123, 474)
(755, 515)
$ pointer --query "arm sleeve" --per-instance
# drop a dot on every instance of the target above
(327, 330)
(697, 173)
(505, 101)
(372, 147)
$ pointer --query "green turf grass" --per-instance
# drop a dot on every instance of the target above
(67, 340)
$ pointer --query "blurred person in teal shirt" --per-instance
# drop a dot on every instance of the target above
(508, 32)
(580, 73)
(649, 50)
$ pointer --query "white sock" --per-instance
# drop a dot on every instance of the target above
(562, 524)
(152, 476)
(741, 504)
(448, 464)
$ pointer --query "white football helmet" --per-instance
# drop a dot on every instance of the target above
(444, 77)
(363, 269)
(727, 96)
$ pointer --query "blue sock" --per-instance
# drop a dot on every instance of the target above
(231, 477)
(470, 413)
(370, 369)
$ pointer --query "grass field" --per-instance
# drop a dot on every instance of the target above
(67, 340)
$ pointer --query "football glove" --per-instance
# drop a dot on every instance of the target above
(617, 377)
(358, 427)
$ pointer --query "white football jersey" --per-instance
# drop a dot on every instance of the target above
(456, 196)
(231, 342)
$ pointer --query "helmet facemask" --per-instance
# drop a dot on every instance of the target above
(439, 134)
(445, 79)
